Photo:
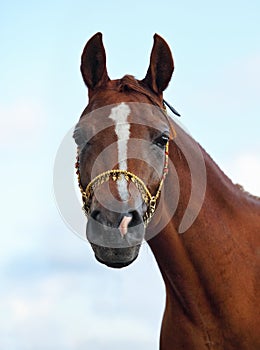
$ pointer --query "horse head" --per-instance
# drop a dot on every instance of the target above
(122, 138)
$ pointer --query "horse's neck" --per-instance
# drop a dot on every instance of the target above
(215, 250)
(207, 198)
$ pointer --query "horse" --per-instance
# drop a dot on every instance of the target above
(137, 171)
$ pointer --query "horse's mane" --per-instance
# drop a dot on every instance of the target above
(236, 185)
(241, 188)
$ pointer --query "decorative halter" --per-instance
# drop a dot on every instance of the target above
(117, 175)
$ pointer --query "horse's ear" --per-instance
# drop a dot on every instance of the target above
(161, 66)
(93, 63)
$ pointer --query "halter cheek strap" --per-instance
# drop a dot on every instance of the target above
(117, 175)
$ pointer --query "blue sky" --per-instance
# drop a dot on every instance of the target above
(53, 294)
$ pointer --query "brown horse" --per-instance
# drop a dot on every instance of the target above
(209, 260)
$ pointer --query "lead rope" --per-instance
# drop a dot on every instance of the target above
(171, 108)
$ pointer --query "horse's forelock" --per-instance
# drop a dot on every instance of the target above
(129, 84)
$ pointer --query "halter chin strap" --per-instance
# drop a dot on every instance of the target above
(117, 175)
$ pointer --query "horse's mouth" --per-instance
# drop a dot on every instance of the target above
(115, 257)
(115, 265)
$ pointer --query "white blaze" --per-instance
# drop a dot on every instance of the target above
(119, 115)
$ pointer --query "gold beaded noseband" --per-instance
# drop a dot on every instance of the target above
(117, 175)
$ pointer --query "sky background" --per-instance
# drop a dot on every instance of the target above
(53, 294)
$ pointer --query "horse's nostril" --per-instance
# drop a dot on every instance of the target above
(95, 215)
(136, 218)
(117, 219)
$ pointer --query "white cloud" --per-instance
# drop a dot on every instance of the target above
(21, 121)
(81, 308)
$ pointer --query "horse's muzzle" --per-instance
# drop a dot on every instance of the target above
(115, 237)
(115, 257)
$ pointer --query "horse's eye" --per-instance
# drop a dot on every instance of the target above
(161, 141)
